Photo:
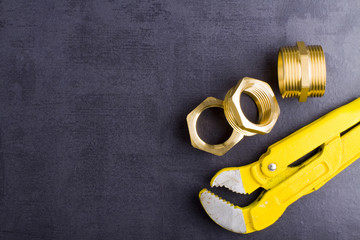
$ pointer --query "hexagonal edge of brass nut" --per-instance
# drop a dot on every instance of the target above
(253, 87)
(197, 142)
(305, 71)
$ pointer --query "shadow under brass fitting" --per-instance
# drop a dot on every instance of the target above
(301, 71)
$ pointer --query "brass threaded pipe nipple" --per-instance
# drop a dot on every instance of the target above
(301, 71)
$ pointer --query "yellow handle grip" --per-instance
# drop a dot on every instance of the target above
(308, 138)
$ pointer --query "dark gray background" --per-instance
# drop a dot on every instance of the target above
(93, 100)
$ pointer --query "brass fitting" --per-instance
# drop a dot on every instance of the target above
(301, 71)
(266, 103)
(197, 142)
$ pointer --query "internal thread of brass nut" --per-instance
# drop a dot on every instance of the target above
(262, 101)
(301, 71)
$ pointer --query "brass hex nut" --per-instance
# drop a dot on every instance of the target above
(266, 103)
(197, 142)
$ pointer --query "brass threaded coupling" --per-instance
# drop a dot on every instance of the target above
(302, 71)
(266, 103)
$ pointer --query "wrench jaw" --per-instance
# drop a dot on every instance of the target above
(222, 212)
(229, 178)
(227, 215)
(233, 178)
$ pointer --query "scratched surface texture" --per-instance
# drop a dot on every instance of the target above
(93, 100)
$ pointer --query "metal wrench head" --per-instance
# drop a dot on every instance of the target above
(222, 212)
(230, 179)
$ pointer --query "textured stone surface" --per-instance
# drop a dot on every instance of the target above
(93, 100)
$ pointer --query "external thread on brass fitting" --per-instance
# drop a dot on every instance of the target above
(301, 71)
(265, 101)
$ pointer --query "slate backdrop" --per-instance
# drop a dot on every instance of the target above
(93, 100)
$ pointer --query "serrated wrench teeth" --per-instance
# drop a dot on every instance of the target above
(230, 179)
(223, 212)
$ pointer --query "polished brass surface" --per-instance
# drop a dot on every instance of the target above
(266, 103)
(197, 142)
(301, 71)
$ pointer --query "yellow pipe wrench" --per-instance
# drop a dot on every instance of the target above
(337, 135)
